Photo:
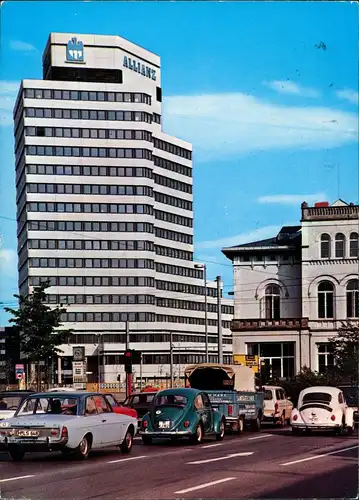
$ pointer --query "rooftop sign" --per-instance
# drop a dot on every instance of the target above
(75, 51)
(140, 68)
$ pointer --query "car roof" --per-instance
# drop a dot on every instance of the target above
(181, 391)
(15, 393)
(74, 394)
(321, 388)
(269, 387)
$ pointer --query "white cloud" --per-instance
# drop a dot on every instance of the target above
(291, 199)
(257, 234)
(288, 87)
(8, 262)
(21, 46)
(8, 93)
(226, 125)
(349, 95)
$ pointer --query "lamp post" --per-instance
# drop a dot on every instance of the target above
(204, 267)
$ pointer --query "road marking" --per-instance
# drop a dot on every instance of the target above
(212, 445)
(260, 437)
(205, 485)
(15, 478)
(126, 459)
(232, 455)
(320, 456)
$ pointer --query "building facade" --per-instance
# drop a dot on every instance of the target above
(293, 292)
(105, 210)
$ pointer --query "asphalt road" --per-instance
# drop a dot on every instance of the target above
(270, 464)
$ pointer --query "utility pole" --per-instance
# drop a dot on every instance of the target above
(219, 319)
(204, 267)
(171, 359)
(128, 375)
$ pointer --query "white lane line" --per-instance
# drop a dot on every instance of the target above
(320, 456)
(212, 445)
(217, 459)
(16, 478)
(126, 459)
(204, 485)
(260, 437)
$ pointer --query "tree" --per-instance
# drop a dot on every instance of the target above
(344, 347)
(36, 326)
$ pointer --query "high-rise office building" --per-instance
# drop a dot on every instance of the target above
(105, 209)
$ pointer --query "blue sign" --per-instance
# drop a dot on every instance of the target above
(75, 51)
(140, 68)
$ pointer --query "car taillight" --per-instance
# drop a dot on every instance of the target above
(275, 407)
(332, 417)
(230, 409)
(295, 417)
(64, 433)
(54, 432)
(186, 424)
(145, 424)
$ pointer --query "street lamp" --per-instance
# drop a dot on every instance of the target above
(204, 267)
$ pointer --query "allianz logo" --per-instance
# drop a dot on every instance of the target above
(140, 68)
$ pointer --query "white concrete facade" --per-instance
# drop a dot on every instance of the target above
(105, 208)
(292, 292)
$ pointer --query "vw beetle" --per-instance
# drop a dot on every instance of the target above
(179, 413)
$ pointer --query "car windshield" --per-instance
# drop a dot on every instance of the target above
(9, 402)
(55, 405)
(142, 399)
(170, 399)
(268, 395)
(317, 397)
(351, 395)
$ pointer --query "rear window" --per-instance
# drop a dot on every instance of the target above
(317, 397)
(9, 402)
(142, 399)
(170, 399)
(268, 395)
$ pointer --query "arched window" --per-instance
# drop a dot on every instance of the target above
(272, 302)
(340, 245)
(325, 246)
(353, 299)
(353, 245)
(326, 300)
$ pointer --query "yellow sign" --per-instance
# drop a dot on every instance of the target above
(247, 360)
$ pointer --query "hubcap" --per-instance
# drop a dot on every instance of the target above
(83, 446)
(222, 428)
(199, 433)
(129, 440)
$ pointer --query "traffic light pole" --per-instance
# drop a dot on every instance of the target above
(128, 375)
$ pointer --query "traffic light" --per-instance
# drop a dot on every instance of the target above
(128, 360)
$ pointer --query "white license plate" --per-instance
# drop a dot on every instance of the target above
(165, 424)
(27, 433)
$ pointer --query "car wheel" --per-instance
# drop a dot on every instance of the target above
(147, 440)
(256, 425)
(350, 430)
(16, 453)
(197, 437)
(220, 435)
(83, 449)
(127, 443)
(281, 421)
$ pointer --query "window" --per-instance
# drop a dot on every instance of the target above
(340, 245)
(272, 302)
(326, 300)
(325, 357)
(353, 299)
(325, 246)
(353, 245)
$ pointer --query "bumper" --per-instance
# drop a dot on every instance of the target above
(34, 446)
(316, 427)
(164, 434)
(271, 417)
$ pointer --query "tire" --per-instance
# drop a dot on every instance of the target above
(222, 428)
(83, 449)
(147, 440)
(197, 437)
(281, 421)
(16, 453)
(256, 425)
(127, 443)
(240, 425)
(350, 430)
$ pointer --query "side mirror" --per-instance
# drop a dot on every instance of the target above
(289, 398)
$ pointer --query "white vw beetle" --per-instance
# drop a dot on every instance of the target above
(322, 408)
(73, 423)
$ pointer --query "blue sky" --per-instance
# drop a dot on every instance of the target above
(270, 110)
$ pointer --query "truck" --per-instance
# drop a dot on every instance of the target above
(231, 390)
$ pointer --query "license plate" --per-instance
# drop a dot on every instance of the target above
(165, 424)
(27, 433)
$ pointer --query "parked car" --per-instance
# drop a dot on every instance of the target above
(351, 395)
(118, 408)
(10, 401)
(178, 413)
(141, 402)
(322, 408)
(73, 423)
(277, 406)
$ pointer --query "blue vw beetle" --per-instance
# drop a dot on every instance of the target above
(178, 413)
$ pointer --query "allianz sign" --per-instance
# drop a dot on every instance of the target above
(140, 68)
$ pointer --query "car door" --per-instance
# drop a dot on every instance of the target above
(288, 405)
(280, 401)
(111, 430)
(93, 422)
(201, 412)
(208, 412)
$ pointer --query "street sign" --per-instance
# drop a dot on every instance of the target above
(19, 371)
(247, 360)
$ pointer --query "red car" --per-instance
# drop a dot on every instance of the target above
(118, 408)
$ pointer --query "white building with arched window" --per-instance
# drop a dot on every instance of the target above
(292, 292)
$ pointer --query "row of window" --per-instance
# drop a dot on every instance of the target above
(104, 189)
(175, 253)
(133, 245)
(173, 218)
(89, 133)
(93, 281)
(179, 271)
(171, 148)
(90, 208)
(172, 166)
(172, 200)
(89, 114)
(184, 288)
(90, 226)
(173, 236)
(100, 299)
(85, 95)
(163, 318)
(172, 183)
(118, 338)
(192, 306)
(340, 248)
(92, 263)
(265, 258)
(89, 152)
(164, 359)
(90, 170)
